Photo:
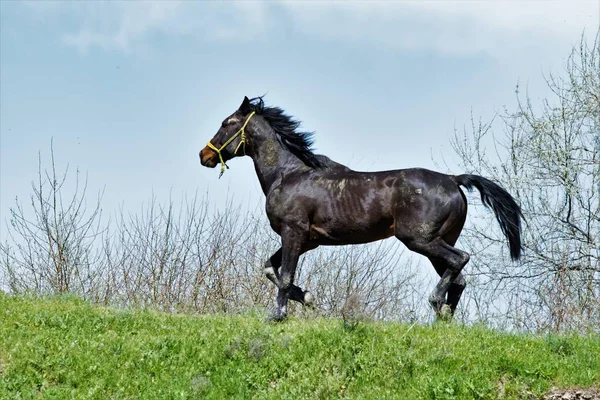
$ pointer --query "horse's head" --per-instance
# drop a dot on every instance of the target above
(230, 140)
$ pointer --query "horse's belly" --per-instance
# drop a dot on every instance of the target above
(326, 234)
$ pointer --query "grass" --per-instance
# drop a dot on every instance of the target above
(64, 348)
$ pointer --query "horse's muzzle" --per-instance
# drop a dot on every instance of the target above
(208, 157)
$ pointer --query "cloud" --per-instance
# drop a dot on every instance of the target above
(441, 26)
(446, 26)
(123, 25)
(523, 16)
(120, 25)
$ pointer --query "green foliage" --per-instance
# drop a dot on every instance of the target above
(62, 347)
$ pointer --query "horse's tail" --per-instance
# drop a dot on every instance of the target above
(507, 211)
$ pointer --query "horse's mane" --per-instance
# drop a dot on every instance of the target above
(286, 129)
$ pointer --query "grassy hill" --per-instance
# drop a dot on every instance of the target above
(66, 348)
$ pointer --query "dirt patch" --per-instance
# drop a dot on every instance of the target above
(573, 394)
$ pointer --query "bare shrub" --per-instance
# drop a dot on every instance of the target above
(376, 278)
(50, 247)
(182, 257)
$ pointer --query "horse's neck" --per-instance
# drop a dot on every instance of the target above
(272, 162)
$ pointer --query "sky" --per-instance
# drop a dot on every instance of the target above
(129, 92)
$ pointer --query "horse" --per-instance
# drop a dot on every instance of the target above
(311, 201)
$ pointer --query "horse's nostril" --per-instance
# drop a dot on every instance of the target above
(204, 157)
(207, 159)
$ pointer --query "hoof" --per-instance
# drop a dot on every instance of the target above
(445, 310)
(309, 299)
(444, 314)
(270, 273)
(437, 303)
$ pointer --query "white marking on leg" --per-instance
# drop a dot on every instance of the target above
(308, 298)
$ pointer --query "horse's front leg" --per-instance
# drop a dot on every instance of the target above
(292, 241)
(272, 272)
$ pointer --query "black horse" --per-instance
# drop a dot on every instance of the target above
(312, 200)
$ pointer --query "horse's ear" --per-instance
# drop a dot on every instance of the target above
(245, 107)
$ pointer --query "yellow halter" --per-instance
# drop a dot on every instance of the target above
(242, 142)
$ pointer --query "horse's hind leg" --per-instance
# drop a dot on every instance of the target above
(438, 249)
(456, 288)
(455, 259)
(272, 272)
(455, 292)
(451, 231)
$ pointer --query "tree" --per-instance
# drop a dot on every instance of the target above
(548, 156)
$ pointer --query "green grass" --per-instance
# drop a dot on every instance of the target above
(59, 348)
